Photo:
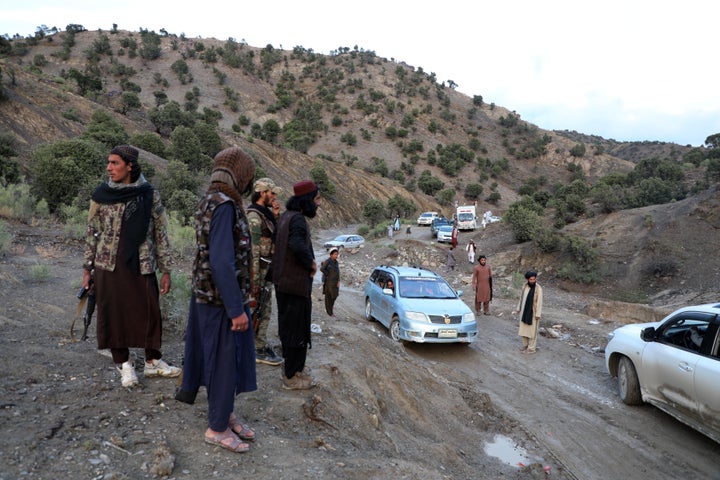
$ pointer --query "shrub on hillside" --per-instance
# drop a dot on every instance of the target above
(60, 169)
(524, 221)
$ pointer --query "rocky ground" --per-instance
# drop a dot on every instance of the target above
(381, 409)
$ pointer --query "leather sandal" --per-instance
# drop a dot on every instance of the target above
(241, 430)
(227, 440)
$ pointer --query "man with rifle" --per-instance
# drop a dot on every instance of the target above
(262, 216)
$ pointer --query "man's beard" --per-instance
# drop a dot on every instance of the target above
(310, 210)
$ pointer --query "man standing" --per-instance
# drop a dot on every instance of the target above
(262, 221)
(530, 310)
(471, 249)
(219, 345)
(293, 270)
(482, 286)
(126, 242)
(330, 269)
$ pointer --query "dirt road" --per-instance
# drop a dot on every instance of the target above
(381, 410)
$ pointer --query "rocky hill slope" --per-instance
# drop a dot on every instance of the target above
(383, 123)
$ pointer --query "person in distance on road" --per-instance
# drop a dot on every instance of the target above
(482, 285)
(330, 269)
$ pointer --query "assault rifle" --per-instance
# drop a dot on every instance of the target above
(86, 306)
(262, 300)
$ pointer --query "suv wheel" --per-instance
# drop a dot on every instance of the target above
(629, 386)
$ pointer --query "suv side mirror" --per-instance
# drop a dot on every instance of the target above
(648, 334)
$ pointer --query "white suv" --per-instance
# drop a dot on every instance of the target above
(426, 218)
(673, 364)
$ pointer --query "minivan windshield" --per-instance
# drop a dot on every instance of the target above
(425, 287)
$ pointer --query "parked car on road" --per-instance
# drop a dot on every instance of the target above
(437, 223)
(426, 218)
(420, 306)
(444, 234)
(345, 241)
(673, 364)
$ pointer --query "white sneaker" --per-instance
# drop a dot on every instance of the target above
(158, 368)
(128, 378)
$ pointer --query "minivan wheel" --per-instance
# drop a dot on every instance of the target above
(368, 309)
(395, 329)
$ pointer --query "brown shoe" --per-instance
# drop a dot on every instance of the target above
(307, 377)
(297, 382)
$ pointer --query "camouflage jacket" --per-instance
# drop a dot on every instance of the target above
(261, 231)
(203, 285)
(103, 236)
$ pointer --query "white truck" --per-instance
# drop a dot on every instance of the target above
(466, 218)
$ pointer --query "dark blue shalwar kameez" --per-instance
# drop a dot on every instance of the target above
(215, 356)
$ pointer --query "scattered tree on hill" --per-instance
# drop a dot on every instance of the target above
(150, 142)
(374, 212)
(578, 150)
(321, 179)
(170, 116)
(429, 184)
(9, 169)
(399, 205)
(60, 169)
(105, 129)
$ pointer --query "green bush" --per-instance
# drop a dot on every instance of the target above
(39, 273)
(429, 184)
(547, 239)
(524, 221)
(178, 177)
(103, 128)
(184, 204)
(5, 238)
(60, 169)
(577, 273)
(321, 179)
(583, 253)
(174, 305)
(374, 212)
(150, 142)
(75, 220)
(182, 235)
(16, 201)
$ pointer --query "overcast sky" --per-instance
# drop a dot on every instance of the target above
(621, 69)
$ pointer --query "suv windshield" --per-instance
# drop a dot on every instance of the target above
(425, 287)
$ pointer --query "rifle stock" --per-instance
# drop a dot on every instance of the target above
(262, 300)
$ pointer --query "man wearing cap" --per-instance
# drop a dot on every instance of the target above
(292, 273)
(530, 310)
(126, 243)
(330, 269)
(262, 221)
